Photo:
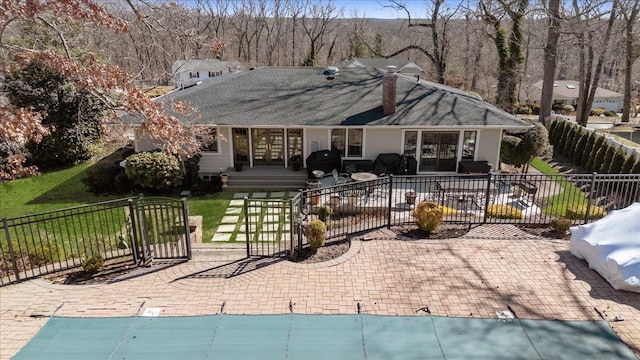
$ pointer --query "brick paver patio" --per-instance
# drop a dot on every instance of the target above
(490, 268)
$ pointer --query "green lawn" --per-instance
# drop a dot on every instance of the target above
(571, 195)
(63, 189)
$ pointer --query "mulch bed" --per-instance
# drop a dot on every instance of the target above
(543, 231)
(330, 250)
(112, 269)
(443, 231)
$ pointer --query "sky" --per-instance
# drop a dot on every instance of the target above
(377, 9)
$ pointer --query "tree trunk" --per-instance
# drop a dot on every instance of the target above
(550, 53)
(630, 58)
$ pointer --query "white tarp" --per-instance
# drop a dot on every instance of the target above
(611, 246)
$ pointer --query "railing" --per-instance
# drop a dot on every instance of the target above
(39, 244)
(48, 242)
(532, 199)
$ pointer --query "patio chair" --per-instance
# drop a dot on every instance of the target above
(339, 179)
(350, 168)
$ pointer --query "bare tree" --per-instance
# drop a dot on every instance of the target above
(438, 26)
(315, 22)
(629, 10)
(588, 23)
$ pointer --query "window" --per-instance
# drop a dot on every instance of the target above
(208, 140)
(347, 142)
(469, 145)
(410, 143)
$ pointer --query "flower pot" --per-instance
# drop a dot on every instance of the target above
(314, 198)
(238, 166)
(312, 184)
(224, 178)
(296, 166)
(334, 200)
(410, 197)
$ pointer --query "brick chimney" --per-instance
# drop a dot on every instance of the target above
(389, 91)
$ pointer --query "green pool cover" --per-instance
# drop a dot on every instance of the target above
(293, 336)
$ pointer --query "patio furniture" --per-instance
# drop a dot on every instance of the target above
(324, 160)
(468, 166)
(360, 166)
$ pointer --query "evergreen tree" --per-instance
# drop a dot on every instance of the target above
(636, 168)
(552, 129)
(574, 142)
(598, 158)
(606, 161)
(581, 144)
(617, 162)
(568, 141)
(597, 145)
(628, 163)
(587, 149)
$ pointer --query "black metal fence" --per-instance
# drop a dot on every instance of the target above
(532, 199)
(268, 226)
(139, 228)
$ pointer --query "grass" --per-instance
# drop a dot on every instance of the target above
(570, 195)
(64, 188)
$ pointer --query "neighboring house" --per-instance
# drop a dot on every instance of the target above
(403, 66)
(271, 115)
(565, 92)
(189, 72)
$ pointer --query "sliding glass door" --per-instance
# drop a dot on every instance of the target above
(438, 151)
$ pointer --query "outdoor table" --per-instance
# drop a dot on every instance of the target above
(463, 187)
(363, 176)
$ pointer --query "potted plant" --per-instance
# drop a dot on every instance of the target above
(224, 177)
(296, 162)
(314, 197)
(238, 166)
(410, 197)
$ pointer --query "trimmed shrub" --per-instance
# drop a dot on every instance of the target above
(597, 112)
(597, 145)
(448, 211)
(502, 211)
(578, 212)
(636, 168)
(324, 214)
(523, 110)
(560, 225)
(617, 162)
(606, 161)
(568, 140)
(552, 131)
(316, 234)
(154, 170)
(191, 169)
(581, 144)
(610, 113)
(628, 163)
(584, 158)
(535, 109)
(597, 160)
(428, 216)
(561, 135)
(93, 264)
(508, 153)
(574, 142)
(566, 109)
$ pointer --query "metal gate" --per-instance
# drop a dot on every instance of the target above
(271, 226)
(162, 229)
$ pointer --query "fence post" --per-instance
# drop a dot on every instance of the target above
(246, 223)
(486, 198)
(390, 201)
(590, 199)
(134, 232)
(10, 246)
(187, 234)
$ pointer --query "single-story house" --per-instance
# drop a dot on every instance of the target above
(565, 92)
(189, 72)
(273, 116)
(403, 65)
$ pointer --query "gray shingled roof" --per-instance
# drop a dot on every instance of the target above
(303, 96)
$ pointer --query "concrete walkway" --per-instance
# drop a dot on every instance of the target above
(491, 268)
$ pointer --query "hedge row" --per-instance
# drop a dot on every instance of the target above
(590, 150)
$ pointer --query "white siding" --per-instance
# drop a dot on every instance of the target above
(382, 141)
(488, 146)
(211, 163)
